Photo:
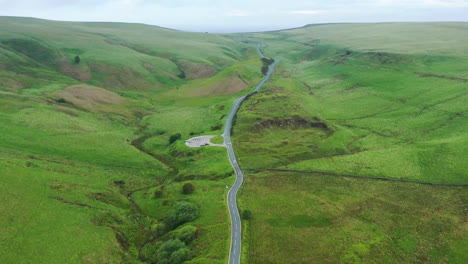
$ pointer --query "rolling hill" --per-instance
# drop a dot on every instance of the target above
(87, 109)
(364, 132)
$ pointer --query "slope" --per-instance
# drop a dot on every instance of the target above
(362, 100)
(86, 163)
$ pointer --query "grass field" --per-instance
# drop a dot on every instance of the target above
(322, 219)
(381, 101)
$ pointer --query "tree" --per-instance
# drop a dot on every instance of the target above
(188, 188)
(183, 212)
(247, 215)
(173, 138)
(77, 59)
(172, 251)
(266, 63)
(185, 233)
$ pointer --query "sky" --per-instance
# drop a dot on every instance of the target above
(238, 15)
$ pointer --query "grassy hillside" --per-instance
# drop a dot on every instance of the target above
(362, 100)
(87, 173)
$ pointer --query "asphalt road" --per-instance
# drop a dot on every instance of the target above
(236, 228)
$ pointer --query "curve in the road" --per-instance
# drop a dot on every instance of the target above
(236, 230)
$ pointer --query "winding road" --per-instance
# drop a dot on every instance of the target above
(236, 228)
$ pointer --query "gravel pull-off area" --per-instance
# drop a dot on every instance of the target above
(201, 141)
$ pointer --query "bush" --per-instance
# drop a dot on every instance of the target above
(188, 188)
(266, 63)
(77, 59)
(185, 233)
(216, 127)
(247, 215)
(173, 138)
(172, 251)
(183, 212)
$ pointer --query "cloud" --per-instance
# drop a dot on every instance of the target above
(446, 3)
(418, 3)
(305, 12)
(238, 13)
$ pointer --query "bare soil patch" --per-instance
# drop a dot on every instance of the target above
(228, 86)
(195, 70)
(118, 78)
(90, 98)
(74, 71)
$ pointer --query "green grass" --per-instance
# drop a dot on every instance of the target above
(340, 220)
(217, 140)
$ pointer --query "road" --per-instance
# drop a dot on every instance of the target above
(236, 228)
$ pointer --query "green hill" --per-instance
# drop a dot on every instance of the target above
(87, 173)
(353, 104)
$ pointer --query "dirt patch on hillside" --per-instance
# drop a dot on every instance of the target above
(228, 86)
(90, 98)
(194, 70)
(118, 78)
(74, 71)
(293, 123)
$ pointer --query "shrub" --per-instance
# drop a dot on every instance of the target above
(216, 127)
(173, 138)
(172, 251)
(188, 188)
(247, 215)
(77, 59)
(183, 212)
(185, 233)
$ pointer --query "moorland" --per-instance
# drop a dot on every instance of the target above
(94, 169)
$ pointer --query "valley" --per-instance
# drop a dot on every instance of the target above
(94, 167)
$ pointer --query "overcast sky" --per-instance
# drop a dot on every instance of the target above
(238, 15)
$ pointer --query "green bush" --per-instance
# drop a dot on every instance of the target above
(173, 138)
(188, 188)
(247, 215)
(172, 251)
(185, 233)
(183, 212)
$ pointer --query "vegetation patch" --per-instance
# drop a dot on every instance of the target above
(217, 140)
(338, 220)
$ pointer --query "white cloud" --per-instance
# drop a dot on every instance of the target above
(238, 13)
(420, 3)
(446, 3)
(305, 12)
